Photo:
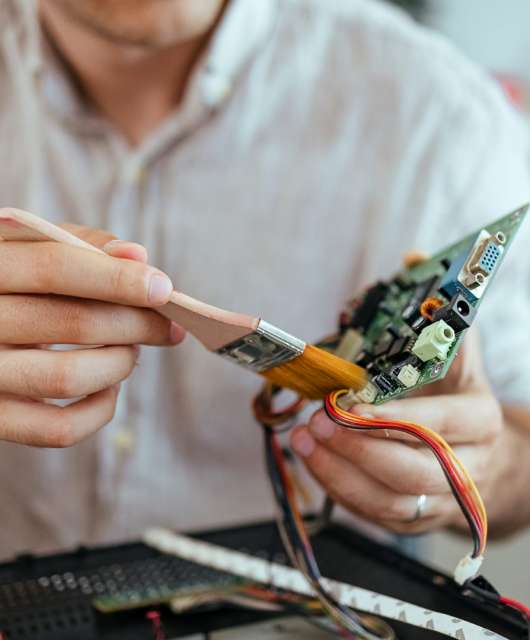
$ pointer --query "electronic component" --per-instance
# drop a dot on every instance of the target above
(419, 324)
(401, 348)
(384, 344)
(385, 382)
(350, 345)
(422, 290)
(486, 261)
(365, 396)
(408, 376)
(482, 262)
(429, 306)
(434, 341)
(364, 359)
(398, 321)
(369, 306)
(450, 284)
(470, 271)
(458, 314)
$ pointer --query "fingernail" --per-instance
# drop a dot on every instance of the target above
(323, 428)
(111, 244)
(303, 444)
(176, 333)
(160, 288)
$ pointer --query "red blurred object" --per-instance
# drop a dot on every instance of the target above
(515, 604)
(154, 617)
(515, 89)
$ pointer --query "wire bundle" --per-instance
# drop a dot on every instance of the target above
(292, 527)
(460, 482)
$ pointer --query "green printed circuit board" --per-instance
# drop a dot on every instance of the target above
(406, 331)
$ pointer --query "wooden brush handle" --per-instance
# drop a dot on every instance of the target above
(212, 326)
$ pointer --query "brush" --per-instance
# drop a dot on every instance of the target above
(249, 342)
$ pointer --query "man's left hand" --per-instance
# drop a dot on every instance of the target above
(380, 475)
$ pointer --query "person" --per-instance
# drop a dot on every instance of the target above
(275, 158)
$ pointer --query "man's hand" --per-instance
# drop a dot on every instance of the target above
(379, 475)
(51, 293)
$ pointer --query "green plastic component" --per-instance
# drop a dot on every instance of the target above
(434, 341)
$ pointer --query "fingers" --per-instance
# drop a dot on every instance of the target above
(405, 469)
(126, 250)
(44, 425)
(38, 373)
(399, 466)
(465, 418)
(360, 493)
(98, 237)
(108, 242)
(52, 267)
(32, 319)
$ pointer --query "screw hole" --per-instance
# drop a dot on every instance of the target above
(500, 237)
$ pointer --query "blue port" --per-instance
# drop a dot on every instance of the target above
(489, 258)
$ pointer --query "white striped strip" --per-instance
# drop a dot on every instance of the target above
(282, 577)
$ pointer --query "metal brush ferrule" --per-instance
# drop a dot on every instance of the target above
(264, 349)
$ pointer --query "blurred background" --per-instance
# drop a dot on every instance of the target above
(496, 34)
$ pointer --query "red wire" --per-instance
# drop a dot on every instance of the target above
(443, 458)
(515, 604)
(154, 617)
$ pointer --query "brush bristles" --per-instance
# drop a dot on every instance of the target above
(316, 373)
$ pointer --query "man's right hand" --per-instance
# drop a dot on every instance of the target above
(52, 293)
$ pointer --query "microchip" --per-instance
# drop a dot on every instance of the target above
(367, 310)
(412, 311)
(398, 347)
(384, 344)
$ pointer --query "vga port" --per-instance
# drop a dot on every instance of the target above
(483, 259)
(486, 259)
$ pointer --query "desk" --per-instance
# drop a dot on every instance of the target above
(343, 554)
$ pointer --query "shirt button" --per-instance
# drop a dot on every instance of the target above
(215, 89)
(133, 172)
(124, 440)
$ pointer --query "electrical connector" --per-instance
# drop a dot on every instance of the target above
(467, 568)
(408, 376)
(434, 341)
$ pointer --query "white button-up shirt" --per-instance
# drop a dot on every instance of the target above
(316, 143)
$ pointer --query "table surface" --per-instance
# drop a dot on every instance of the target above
(343, 554)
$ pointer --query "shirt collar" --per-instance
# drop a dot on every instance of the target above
(244, 27)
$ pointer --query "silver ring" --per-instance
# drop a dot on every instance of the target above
(421, 502)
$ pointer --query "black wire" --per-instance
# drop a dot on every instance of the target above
(296, 541)
(485, 592)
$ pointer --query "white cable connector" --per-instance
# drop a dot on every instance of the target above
(467, 568)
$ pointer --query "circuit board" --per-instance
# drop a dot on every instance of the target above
(406, 331)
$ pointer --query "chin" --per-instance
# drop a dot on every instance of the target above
(145, 23)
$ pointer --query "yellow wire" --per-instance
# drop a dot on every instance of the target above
(467, 479)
